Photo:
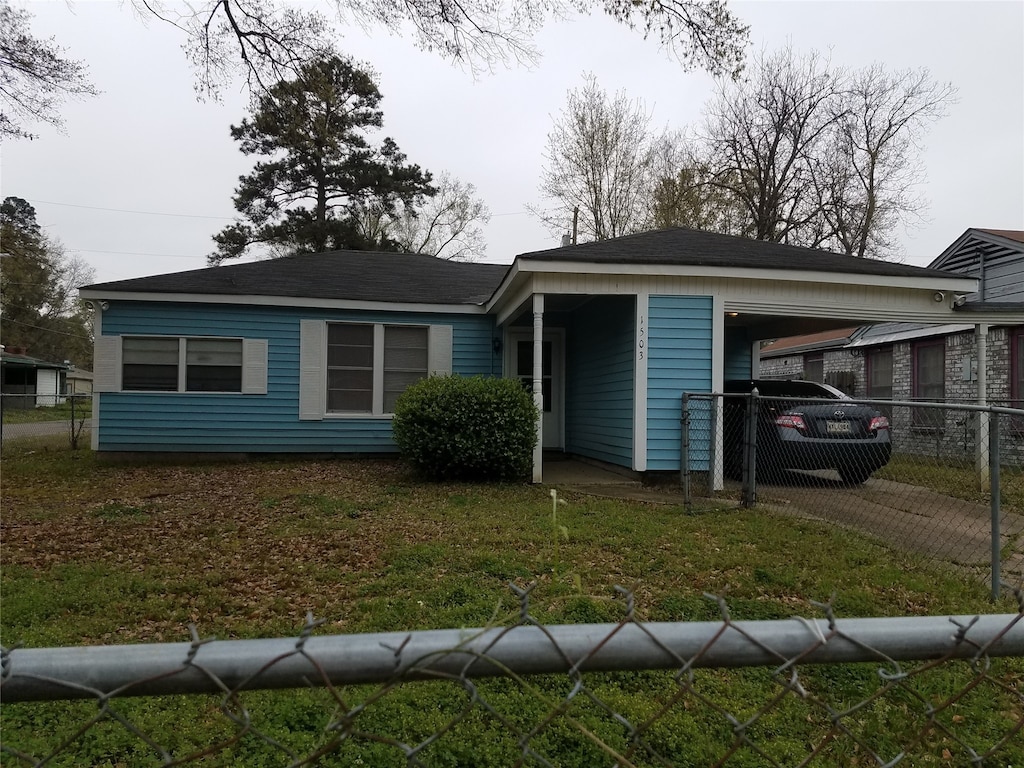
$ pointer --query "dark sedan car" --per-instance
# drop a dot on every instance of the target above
(793, 433)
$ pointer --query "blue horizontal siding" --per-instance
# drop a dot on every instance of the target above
(599, 380)
(738, 355)
(678, 360)
(168, 421)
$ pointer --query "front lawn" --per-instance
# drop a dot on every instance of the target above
(99, 553)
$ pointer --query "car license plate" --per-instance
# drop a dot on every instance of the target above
(838, 427)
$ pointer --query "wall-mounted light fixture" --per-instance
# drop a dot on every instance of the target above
(496, 345)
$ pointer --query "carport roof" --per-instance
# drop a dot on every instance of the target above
(680, 246)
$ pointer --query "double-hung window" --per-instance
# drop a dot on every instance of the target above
(879, 373)
(367, 365)
(814, 367)
(929, 381)
(183, 364)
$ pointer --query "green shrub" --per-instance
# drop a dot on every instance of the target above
(455, 428)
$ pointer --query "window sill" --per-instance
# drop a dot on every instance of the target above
(363, 416)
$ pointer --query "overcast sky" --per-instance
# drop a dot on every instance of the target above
(145, 173)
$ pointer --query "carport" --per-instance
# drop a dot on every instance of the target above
(609, 335)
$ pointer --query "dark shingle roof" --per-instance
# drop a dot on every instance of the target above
(690, 247)
(352, 275)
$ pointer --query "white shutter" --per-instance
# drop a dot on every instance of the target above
(254, 366)
(439, 350)
(106, 365)
(311, 370)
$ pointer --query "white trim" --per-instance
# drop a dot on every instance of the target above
(97, 329)
(378, 367)
(254, 366)
(312, 370)
(641, 338)
(755, 360)
(440, 350)
(106, 367)
(952, 283)
(717, 343)
(538, 384)
(285, 301)
(516, 302)
(717, 457)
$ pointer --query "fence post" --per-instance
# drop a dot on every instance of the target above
(684, 449)
(994, 492)
(750, 449)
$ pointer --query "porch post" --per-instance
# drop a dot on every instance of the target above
(981, 441)
(538, 384)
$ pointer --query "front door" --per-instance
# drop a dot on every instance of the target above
(551, 385)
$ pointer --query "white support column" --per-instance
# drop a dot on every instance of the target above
(640, 386)
(716, 472)
(981, 441)
(538, 384)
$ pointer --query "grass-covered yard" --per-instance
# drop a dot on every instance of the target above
(99, 553)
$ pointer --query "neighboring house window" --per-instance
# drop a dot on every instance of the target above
(879, 373)
(180, 364)
(929, 381)
(369, 364)
(814, 367)
(154, 364)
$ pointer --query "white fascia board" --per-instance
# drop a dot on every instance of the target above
(284, 301)
(951, 283)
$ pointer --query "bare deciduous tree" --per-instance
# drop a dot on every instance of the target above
(761, 134)
(819, 156)
(600, 159)
(872, 171)
(268, 40)
(448, 225)
(35, 79)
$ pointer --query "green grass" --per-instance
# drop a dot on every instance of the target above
(62, 412)
(100, 553)
(958, 480)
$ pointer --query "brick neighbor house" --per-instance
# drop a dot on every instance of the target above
(920, 361)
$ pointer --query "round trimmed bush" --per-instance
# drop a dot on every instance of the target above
(455, 428)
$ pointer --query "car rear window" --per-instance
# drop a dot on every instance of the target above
(785, 388)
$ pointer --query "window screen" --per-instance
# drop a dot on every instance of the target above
(149, 364)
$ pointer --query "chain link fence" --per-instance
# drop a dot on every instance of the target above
(24, 416)
(821, 691)
(940, 480)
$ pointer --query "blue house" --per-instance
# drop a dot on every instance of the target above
(307, 354)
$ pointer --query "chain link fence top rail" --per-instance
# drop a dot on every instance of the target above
(938, 495)
(826, 691)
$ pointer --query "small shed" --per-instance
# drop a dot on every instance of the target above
(27, 382)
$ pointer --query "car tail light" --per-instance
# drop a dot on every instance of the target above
(791, 420)
(877, 423)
